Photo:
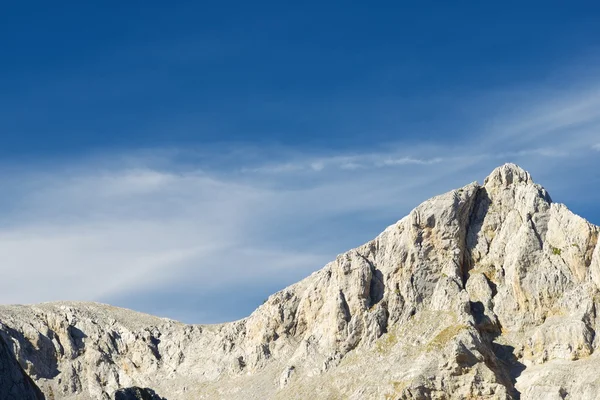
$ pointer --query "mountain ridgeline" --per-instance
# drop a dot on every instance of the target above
(486, 292)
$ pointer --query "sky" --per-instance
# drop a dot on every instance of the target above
(188, 159)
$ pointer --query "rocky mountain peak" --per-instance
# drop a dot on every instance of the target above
(487, 292)
(507, 174)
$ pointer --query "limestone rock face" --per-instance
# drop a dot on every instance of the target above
(14, 383)
(136, 393)
(486, 292)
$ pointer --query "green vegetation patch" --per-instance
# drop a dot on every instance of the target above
(444, 336)
(386, 342)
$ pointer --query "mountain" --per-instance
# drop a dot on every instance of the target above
(486, 292)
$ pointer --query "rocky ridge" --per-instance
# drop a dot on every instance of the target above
(486, 292)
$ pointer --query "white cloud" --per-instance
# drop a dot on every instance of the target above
(344, 162)
(141, 220)
(131, 229)
(546, 119)
(409, 160)
(596, 146)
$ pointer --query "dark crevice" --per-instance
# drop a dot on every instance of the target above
(43, 351)
(376, 285)
(535, 231)
(493, 286)
(153, 345)
(509, 368)
(77, 336)
(501, 359)
(383, 324)
(344, 307)
(562, 393)
(15, 384)
(479, 208)
(483, 323)
(589, 252)
(113, 337)
(136, 393)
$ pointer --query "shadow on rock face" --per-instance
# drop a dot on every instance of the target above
(15, 384)
(42, 355)
(136, 393)
(512, 367)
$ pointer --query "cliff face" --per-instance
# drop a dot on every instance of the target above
(486, 292)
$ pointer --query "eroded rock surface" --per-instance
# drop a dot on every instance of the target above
(14, 383)
(486, 292)
(136, 393)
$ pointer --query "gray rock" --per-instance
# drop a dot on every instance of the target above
(136, 393)
(14, 383)
(486, 292)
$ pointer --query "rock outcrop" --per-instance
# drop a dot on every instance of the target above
(136, 393)
(486, 292)
(14, 383)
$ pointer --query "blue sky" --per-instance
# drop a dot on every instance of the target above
(196, 157)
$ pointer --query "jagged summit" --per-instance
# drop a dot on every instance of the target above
(508, 174)
(486, 292)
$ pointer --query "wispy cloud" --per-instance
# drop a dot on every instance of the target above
(344, 162)
(142, 221)
(137, 229)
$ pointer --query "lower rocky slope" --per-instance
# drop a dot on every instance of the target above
(486, 292)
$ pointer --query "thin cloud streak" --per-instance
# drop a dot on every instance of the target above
(394, 160)
(144, 221)
(573, 120)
